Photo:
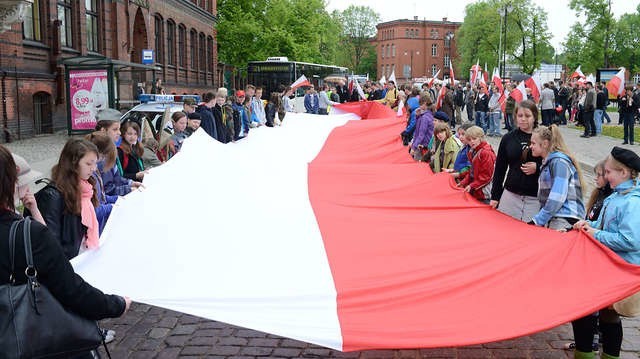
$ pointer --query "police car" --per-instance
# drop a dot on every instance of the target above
(149, 114)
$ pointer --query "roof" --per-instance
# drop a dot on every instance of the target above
(102, 61)
(419, 22)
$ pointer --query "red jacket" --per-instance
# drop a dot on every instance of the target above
(483, 161)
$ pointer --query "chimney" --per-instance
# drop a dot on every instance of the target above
(444, 19)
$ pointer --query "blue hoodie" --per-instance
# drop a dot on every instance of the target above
(618, 226)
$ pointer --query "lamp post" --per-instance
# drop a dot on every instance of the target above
(504, 11)
(449, 38)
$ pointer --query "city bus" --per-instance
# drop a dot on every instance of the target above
(276, 71)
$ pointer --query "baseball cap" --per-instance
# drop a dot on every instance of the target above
(239, 93)
(25, 174)
(189, 101)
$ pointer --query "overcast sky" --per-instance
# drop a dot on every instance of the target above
(559, 15)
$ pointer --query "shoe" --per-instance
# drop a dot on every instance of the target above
(570, 346)
(109, 335)
(625, 143)
(631, 143)
(584, 136)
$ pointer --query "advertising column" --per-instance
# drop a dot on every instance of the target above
(88, 94)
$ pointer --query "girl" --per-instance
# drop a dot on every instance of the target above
(130, 152)
(560, 183)
(617, 227)
(602, 191)
(272, 109)
(224, 135)
(68, 203)
(516, 195)
(174, 144)
(445, 148)
(424, 128)
(107, 156)
(114, 184)
(477, 181)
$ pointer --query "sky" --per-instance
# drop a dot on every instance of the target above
(560, 17)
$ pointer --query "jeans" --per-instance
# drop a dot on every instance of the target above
(469, 112)
(606, 116)
(494, 123)
(508, 121)
(547, 117)
(628, 122)
(481, 120)
(589, 123)
(597, 118)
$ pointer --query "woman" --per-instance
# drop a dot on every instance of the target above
(617, 227)
(560, 183)
(107, 156)
(516, 195)
(68, 203)
(424, 128)
(54, 270)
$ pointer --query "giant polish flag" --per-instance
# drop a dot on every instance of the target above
(325, 230)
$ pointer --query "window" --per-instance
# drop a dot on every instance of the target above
(182, 51)
(393, 50)
(406, 32)
(434, 50)
(386, 71)
(91, 11)
(171, 42)
(446, 61)
(434, 70)
(382, 52)
(434, 33)
(381, 70)
(193, 49)
(201, 48)
(66, 21)
(31, 23)
(210, 53)
(406, 71)
(417, 33)
(159, 39)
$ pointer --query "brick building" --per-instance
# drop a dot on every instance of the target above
(415, 48)
(32, 78)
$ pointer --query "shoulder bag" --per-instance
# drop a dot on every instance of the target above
(36, 325)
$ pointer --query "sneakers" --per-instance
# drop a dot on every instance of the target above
(572, 346)
(109, 335)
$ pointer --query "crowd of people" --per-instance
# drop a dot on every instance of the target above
(532, 177)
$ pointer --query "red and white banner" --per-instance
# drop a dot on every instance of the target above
(441, 94)
(616, 84)
(452, 76)
(535, 84)
(578, 73)
(327, 239)
(433, 79)
(519, 93)
(475, 70)
(301, 81)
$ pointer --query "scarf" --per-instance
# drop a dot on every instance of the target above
(88, 214)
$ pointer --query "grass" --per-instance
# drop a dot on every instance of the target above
(616, 131)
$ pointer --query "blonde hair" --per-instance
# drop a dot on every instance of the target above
(222, 92)
(556, 143)
(620, 166)
(474, 132)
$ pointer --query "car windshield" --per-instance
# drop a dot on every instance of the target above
(149, 122)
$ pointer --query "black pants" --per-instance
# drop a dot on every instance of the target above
(589, 123)
(609, 324)
(628, 122)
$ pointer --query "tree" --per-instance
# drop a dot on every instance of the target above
(624, 42)
(358, 27)
(588, 44)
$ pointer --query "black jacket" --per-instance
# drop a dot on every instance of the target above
(207, 122)
(223, 135)
(64, 227)
(270, 112)
(482, 104)
(131, 166)
(508, 161)
(601, 101)
(54, 272)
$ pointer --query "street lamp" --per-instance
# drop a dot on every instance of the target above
(504, 11)
(410, 53)
(449, 38)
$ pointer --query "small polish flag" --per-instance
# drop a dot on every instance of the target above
(452, 76)
(535, 84)
(616, 84)
(441, 94)
(392, 77)
(497, 80)
(519, 93)
(301, 81)
(578, 73)
(360, 92)
(433, 79)
(474, 72)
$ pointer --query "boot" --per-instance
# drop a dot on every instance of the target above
(583, 355)
(607, 356)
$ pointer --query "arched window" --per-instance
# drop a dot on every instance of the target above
(193, 49)
(202, 49)
(434, 50)
(159, 29)
(406, 32)
(182, 41)
(393, 50)
(434, 69)
(210, 53)
(171, 42)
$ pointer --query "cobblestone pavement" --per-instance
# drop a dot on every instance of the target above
(152, 332)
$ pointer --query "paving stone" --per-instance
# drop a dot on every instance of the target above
(151, 344)
(169, 353)
(247, 333)
(437, 353)
(209, 341)
(194, 350)
(256, 351)
(473, 353)
(189, 319)
(377, 354)
(290, 343)
(167, 322)
(407, 354)
(287, 352)
(547, 354)
(225, 350)
(316, 352)
(233, 341)
(512, 353)
(184, 329)
(142, 354)
(264, 342)
(177, 340)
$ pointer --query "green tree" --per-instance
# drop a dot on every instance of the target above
(624, 42)
(358, 27)
(588, 43)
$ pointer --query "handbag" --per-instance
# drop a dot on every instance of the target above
(36, 324)
(629, 306)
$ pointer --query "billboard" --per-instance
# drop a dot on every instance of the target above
(88, 93)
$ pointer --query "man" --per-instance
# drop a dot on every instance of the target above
(342, 91)
(189, 106)
(601, 108)
(470, 99)
(207, 122)
(547, 104)
(390, 99)
(243, 114)
(311, 101)
(458, 101)
(605, 115)
(588, 112)
(482, 107)
(447, 105)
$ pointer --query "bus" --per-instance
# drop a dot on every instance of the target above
(276, 71)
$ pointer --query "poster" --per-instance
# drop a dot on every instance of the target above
(88, 93)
